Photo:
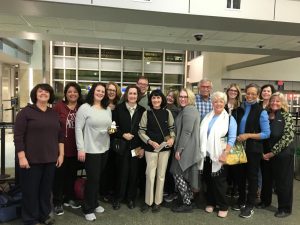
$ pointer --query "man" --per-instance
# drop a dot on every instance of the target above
(203, 101)
(143, 85)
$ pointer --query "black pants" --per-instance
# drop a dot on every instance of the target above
(127, 175)
(36, 185)
(216, 185)
(249, 172)
(107, 183)
(94, 166)
(65, 176)
(280, 169)
(169, 180)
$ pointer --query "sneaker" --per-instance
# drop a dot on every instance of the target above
(222, 214)
(171, 197)
(237, 207)
(58, 210)
(246, 212)
(73, 204)
(99, 209)
(183, 208)
(90, 217)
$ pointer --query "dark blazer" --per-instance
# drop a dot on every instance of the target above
(125, 124)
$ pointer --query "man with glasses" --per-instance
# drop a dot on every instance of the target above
(143, 85)
(203, 101)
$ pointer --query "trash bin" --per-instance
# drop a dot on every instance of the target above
(297, 156)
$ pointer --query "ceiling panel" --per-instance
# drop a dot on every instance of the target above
(77, 24)
(11, 19)
(43, 21)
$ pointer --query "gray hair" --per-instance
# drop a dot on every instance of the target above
(205, 80)
(219, 95)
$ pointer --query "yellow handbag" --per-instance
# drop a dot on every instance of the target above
(237, 154)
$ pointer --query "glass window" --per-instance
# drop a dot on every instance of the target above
(174, 57)
(154, 77)
(58, 74)
(88, 52)
(110, 54)
(88, 75)
(153, 56)
(110, 76)
(233, 4)
(172, 87)
(85, 87)
(58, 50)
(131, 76)
(70, 51)
(173, 78)
(58, 90)
(70, 74)
(134, 55)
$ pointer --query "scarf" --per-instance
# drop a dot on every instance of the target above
(214, 142)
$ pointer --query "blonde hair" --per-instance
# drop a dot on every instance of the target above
(219, 95)
(190, 95)
(284, 104)
(238, 99)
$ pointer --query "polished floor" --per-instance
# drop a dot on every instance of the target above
(125, 216)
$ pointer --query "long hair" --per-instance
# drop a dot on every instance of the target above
(238, 99)
(284, 104)
(118, 92)
(78, 89)
(90, 96)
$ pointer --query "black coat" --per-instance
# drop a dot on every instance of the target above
(125, 124)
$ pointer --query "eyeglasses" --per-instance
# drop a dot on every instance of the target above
(184, 97)
(111, 90)
(205, 87)
(232, 90)
(143, 84)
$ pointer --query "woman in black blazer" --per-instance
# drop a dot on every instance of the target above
(127, 116)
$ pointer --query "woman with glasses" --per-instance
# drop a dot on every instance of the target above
(107, 185)
(254, 127)
(186, 150)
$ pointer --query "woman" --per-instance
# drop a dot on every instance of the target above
(107, 185)
(278, 157)
(156, 128)
(186, 150)
(91, 127)
(254, 127)
(214, 147)
(65, 176)
(265, 94)
(233, 107)
(169, 187)
(127, 116)
(39, 147)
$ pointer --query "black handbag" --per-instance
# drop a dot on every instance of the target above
(119, 146)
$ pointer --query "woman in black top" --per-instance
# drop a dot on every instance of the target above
(156, 128)
(127, 116)
(39, 147)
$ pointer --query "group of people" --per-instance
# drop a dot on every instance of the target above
(176, 143)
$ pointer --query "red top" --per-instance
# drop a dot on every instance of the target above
(67, 123)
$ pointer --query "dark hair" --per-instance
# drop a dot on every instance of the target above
(254, 86)
(265, 86)
(157, 92)
(78, 89)
(45, 87)
(90, 96)
(127, 90)
(175, 95)
(118, 92)
(142, 77)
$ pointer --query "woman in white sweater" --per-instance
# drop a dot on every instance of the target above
(92, 122)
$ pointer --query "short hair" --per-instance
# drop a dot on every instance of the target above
(45, 87)
(90, 96)
(239, 95)
(78, 89)
(127, 90)
(190, 95)
(254, 86)
(118, 91)
(205, 80)
(175, 94)
(142, 77)
(265, 86)
(218, 94)
(284, 104)
(157, 92)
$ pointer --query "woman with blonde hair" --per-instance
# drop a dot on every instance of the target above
(186, 150)
(278, 164)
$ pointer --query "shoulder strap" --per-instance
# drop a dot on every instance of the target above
(162, 133)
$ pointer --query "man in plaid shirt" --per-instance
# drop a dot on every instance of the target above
(203, 101)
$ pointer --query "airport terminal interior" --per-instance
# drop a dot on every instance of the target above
(174, 43)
